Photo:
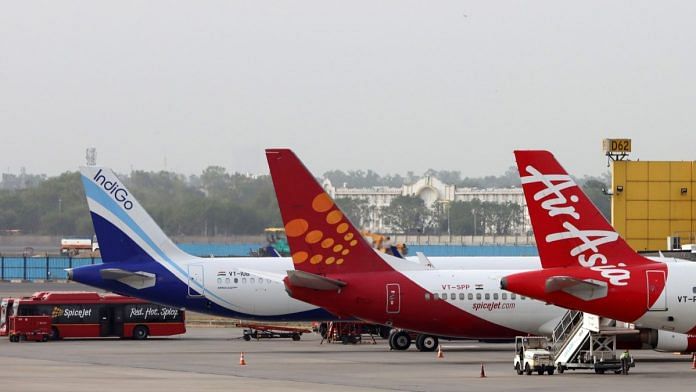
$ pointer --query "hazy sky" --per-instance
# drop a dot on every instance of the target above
(386, 85)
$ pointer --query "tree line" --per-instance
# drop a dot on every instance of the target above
(218, 203)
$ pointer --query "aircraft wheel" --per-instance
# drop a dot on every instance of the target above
(427, 343)
(400, 340)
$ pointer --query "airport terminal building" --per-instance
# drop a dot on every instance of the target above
(433, 192)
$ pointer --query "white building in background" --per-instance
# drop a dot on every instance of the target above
(432, 191)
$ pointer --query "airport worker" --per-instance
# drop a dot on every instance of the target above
(387, 243)
(625, 361)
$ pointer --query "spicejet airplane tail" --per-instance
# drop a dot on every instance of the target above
(587, 265)
(319, 234)
(326, 247)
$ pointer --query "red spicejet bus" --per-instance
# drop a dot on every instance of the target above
(81, 314)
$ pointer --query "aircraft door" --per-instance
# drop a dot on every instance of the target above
(195, 281)
(657, 290)
(393, 298)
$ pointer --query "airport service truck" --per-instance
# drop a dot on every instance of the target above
(532, 355)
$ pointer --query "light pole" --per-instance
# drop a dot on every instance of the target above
(449, 231)
(473, 212)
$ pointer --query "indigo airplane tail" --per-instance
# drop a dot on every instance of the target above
(126, 233)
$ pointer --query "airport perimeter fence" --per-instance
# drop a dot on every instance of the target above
(19, 267)
(41, 267)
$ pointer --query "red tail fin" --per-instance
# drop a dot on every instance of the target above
(319, 234)
(569, 229)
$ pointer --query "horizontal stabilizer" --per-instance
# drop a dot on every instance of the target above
(137, 280)
(312, 281)
(587, 289)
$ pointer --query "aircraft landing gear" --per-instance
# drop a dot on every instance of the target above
(426, 343)
(400, 340)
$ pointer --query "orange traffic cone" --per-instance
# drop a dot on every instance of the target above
(242, 362)
(693, 360)
(483, 372)
(440, 355)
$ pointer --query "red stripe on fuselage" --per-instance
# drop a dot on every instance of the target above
(364, 297)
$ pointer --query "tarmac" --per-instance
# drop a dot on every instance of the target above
(207, 359)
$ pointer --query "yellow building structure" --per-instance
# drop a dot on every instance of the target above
(654, 200)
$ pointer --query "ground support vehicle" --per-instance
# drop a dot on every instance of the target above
(80, 314)
(584, 341)
(347, 332)
(33, 328)
(597, 362)
(5, 313)
(532, 355)
(260, 331)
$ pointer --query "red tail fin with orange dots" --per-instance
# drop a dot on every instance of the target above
(322, 240)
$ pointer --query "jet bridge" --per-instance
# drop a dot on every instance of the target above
(587, 341)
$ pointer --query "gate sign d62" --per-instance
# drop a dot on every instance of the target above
(616, 145)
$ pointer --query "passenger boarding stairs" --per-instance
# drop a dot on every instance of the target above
(583, 338)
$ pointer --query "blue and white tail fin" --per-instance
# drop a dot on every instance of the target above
(125, 231)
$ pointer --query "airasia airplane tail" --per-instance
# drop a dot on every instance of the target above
(564, 219)
(587, 265)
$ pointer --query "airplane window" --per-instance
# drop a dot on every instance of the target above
(461, 296)
(236, 280)
(268, 281)
(522, 298)
(504, 295)
(227, 280)
(453, 296)
(470, 296)
(488, 296)
(244, 280)
(478, 296)
(513, 296)
(495, 295)
(694, 290)
(219, 280)
(252, 280)
(427, 296)
(443, 295)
